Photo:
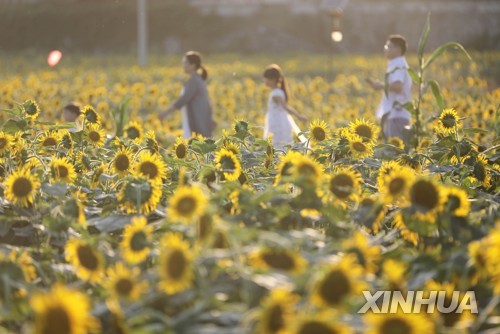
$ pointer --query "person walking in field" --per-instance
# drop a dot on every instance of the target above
(194, 100)
(279, 123)
(397, 89)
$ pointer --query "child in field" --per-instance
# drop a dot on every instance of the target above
(391, 112)
(71, 112)
(279, 122)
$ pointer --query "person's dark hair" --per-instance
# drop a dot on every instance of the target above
(274, 72)
(194, 58)
(400, 41)
(74, 108)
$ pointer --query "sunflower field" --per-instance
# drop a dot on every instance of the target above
(119, 225)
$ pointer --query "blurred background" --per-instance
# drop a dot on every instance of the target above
(242, 26)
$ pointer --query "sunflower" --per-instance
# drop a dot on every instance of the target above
(359, 147)
(345, 184)
(396, 141)
(139, 195)
(180, 148)
(49, 139)
(367, 255)
(134, 131)
(86, 261)
(481, 173)
(321, 323)
(478, 258)
(135, 244)
(396, 185)
(62, 170)
(424, 144)
(220, 239)
(74, 209)
(231, 146)
(406, 233)
(95, 135)
(400, 323)
(91, 116)
(277, 311)
(228, 164)
(62, 310)
(307, 169)
(448, 319)
(410, 161)
(175, 264)
(426, 197)
(122, 161)
(21, 187)
(66, 140)
(150, 166)
(31, 109)
(122, 283)
(204, 228)
(284, 168)
(187, 203)
(448, 122)
(319, 131)
(152, 143)
(22, 259)
(277, 259)
(370, 213)
(339, 281)
(456, 201)
(364, 129)
(393, 272)
(385, 169)
(5, 142)
(96, 175)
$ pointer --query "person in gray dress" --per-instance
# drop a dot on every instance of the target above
(197, 113)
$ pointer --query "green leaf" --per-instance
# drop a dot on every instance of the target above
(12, 126)
(56, 190)
(437, 93)
(414, 76)
(110, 224)
(13, 112)
(475, 130)
(410, 106)
(423, 39)
(439, 51)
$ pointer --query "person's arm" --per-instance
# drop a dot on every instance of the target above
(187, 95)
(396, 87)
(281, 101)
(377, 85)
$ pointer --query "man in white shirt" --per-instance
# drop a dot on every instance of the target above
(397, 89)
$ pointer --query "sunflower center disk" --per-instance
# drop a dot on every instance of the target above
(57, 321)
(395, 326)
(122, 163)
(335, 287)
(186, 206)
(279, 260)
(87, 258)
(22, 187)
(149, 169)
(176, 264)
(424, 195)
(124, 286)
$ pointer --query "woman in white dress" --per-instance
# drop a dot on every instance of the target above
(279, 122)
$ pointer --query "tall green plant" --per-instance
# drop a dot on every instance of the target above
(418, 76)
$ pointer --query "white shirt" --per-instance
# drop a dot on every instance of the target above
(397, 70)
